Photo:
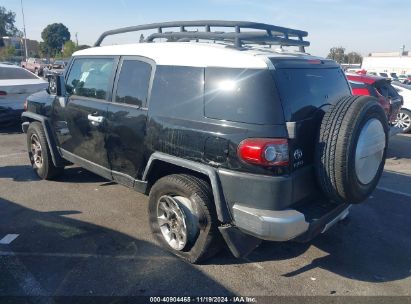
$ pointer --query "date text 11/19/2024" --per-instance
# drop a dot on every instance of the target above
(203, 299)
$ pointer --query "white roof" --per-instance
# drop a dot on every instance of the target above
(197, 54)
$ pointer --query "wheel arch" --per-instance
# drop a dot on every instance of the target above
(161, 164)
(28, 118)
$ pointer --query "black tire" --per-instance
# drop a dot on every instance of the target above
(47, 170)
(407, 113)
(337, 145)
(207, 240)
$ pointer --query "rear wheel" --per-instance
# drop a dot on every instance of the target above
(403, 120)
(39, 153)
(350, 153)
(183, 217)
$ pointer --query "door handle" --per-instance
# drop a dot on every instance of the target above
(95, 120)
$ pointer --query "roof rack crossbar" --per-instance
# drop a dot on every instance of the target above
(268, 34)
(247, 38)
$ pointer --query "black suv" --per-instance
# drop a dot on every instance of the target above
(231, 139)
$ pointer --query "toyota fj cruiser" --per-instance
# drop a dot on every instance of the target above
(231, 139)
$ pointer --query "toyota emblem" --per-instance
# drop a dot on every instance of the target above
(298, 154)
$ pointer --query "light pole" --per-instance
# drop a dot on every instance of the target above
(24, 30)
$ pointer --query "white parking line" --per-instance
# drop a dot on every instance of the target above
(394, 191)
(8, 239)
(25, 279)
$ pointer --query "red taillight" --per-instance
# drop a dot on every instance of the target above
(3, 93)
(264, 151)
(361, 91)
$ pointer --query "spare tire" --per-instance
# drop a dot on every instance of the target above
(351, 149)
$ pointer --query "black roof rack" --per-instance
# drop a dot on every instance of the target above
(263, 34)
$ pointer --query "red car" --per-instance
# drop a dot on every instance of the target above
(380, 88)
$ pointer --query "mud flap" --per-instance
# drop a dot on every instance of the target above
(240, 243)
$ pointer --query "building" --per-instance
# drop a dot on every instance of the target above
(18, 44)
(398, 62)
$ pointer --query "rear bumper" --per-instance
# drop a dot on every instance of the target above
(286, 224)
(278, 208)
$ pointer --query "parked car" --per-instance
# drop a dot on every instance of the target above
(57, 67)
(380, 74)
(404, 116)
(405, 79)
(380, 88)
(35, 65)
(231, 140)
(16, 84)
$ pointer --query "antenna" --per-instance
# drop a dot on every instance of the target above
(24, 29)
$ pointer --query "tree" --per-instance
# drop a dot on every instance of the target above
(54, 36)
(7, 52)
(337, 54)
(7, 20)
(68, 49)
(354, 58)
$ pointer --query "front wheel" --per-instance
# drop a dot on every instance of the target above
(183, 217)
(39, 153)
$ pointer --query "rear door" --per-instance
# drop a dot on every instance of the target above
(126, 119)
(80, 122)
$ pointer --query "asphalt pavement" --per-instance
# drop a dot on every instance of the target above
(82, 235)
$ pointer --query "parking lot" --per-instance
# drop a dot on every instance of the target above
(82, 235)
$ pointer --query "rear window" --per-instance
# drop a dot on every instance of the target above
(304, 90)
(15, 73)
(242, 95)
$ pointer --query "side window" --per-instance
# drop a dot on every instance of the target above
(90, 77)
(133, 82)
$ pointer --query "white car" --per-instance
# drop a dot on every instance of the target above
(404, 116)
(16, 84)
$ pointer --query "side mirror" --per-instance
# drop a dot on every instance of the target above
(57, 85)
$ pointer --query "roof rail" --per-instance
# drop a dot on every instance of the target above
(263, 34)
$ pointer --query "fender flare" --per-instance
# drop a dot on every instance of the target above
(28, 117)
(222, 210)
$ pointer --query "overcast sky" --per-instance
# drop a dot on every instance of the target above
(358, 25)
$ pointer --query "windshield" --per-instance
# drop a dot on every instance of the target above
(303, 91)
(384, 74)
(15, 73)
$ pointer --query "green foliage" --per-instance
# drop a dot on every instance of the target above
(68, 49)
(7, 20)
(7, 53)
(354, 57)
(54, 36)
(338, 54)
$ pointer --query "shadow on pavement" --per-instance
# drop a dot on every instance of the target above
(19, 173)
(372, 245)
(57, 255)
(24, 173)
(399, 147)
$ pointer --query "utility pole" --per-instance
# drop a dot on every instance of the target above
(76, 39)
(24, 30)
